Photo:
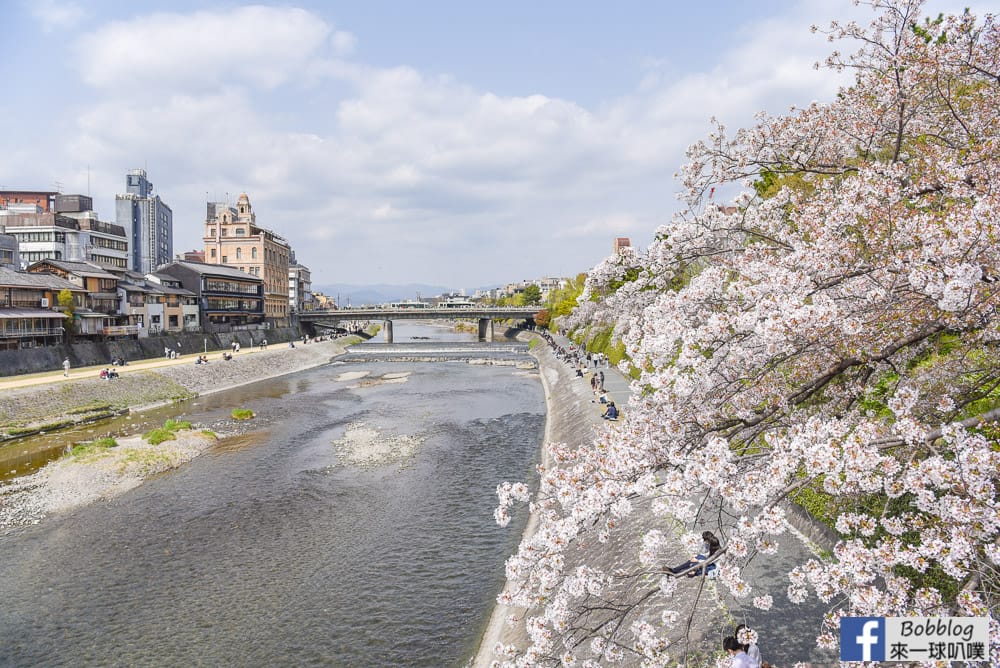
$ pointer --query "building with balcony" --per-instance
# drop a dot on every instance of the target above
(148, 221)
(29, 314)
(101, 307)
(233, 238)
(228, 298)
(181, 311)
(154, 304)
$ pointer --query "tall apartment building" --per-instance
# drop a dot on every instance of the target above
(63, 227)
(149, 222)
(233, 238)
(299, 286)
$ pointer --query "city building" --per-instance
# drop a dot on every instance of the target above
(299, 286)
(148, 221)
(52, 226)
(42, 199)
(622, 242)
(100, 308)
(233, 238)
(228, 298)
(180, 304)
(9, 257)
(28, 308)
(155, 304)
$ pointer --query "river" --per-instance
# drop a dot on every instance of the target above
(277, 547)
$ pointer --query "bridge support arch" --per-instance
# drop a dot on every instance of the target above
(486, 329)
(387, 331)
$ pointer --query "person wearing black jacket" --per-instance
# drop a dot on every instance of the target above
(709, 548)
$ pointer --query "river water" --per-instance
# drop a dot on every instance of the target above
(280, 548)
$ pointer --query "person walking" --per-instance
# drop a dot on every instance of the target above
(66, 367)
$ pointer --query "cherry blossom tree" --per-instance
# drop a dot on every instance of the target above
(832, 336)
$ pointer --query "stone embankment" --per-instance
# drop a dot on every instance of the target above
(573, 419)
(85, 396)
(705, 610)
(108, 472)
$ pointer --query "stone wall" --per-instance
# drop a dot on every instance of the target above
(91, 353)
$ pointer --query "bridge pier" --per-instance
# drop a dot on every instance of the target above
(387, 330)
(486, 330)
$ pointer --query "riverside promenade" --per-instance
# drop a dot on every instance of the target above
(707, 611)
(40, 399)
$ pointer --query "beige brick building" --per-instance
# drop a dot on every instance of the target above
(233, 238)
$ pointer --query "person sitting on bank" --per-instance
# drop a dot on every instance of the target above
(709, 548)
(603, 398)
(611, 413)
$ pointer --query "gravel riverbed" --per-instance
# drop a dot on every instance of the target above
(75, 481)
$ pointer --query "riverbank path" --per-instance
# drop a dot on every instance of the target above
(788, 630)
(46, 377)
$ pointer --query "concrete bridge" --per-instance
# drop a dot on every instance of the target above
(484, 314)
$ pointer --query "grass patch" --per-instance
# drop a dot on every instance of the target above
(93, 447)
(208, 433)
(159, 435)
(144, 462)
(90, 408)
(242, 414)
(533, 343)
(168, 432)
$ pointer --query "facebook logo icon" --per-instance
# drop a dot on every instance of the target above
(862, 638)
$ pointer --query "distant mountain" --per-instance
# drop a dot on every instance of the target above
(358, 295)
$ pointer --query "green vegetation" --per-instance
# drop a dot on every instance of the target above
(159, 435)
(533, 343)
(68, 307)
(242, 414)
(89, 408)
(167, 432)
(825, 508)
(532, 295)
(81, 450)
(561, 302)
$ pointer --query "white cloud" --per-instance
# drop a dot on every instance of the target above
(343, 43)
(54, 15)
(261, 46)
(450, 177)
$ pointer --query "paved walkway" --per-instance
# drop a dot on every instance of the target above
(45, 377)
(787, 631)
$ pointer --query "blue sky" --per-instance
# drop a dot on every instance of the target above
(453, 143)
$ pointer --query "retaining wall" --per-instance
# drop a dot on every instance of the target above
(92, 353)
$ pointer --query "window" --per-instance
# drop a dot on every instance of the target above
(239, 253)
(213, 252)
(253, 252)
(225, 259)
(240, 232)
